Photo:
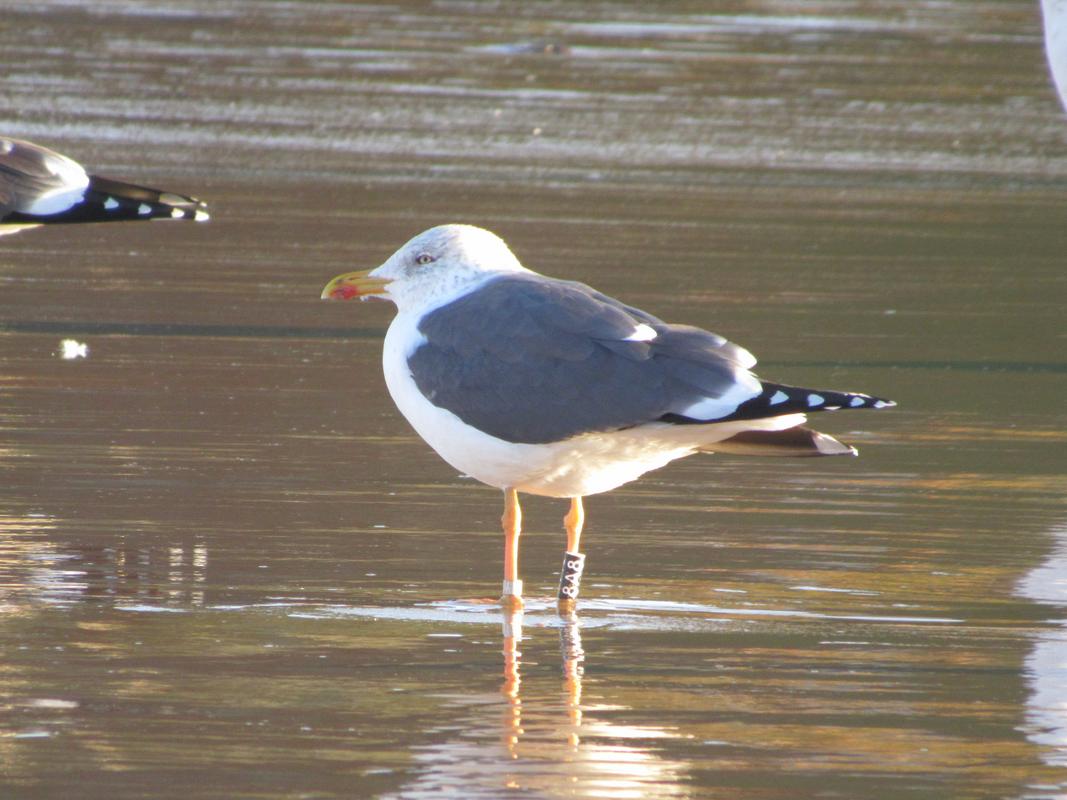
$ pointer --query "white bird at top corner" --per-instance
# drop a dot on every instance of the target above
(1054, 13)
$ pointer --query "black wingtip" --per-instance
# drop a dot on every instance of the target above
(777, 399)
(107, 200)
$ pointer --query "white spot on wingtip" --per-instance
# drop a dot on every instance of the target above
(70, 349)
(202, 216)
(815, 400)
(778, 397)
(144, 208)
(111, 204)
(884, 404)
(642, 333)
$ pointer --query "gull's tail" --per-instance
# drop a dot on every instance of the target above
(798, 441)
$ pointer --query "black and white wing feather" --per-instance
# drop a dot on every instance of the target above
(40, 186)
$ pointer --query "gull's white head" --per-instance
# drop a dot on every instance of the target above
(433, 268)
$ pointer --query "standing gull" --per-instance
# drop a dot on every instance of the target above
(39, 186)
(533, 384)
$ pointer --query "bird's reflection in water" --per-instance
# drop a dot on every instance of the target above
(547, 741)
(570, 640)
(1046, 665)
(512, 680)
(40, 565)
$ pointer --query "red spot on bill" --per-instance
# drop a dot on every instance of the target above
(344, 292)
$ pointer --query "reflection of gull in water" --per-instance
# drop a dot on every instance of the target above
(551, 745)
(1055, 13)
(29, 563)
(1046, 666)
(37, 566)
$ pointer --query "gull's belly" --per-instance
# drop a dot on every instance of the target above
(576, 467)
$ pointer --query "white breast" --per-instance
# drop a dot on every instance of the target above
(486, 458)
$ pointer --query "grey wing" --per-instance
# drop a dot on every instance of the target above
(530, 359)
(29, 172)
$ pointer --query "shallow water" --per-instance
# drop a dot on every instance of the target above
(229, 569)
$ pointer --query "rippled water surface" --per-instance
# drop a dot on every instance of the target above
(228, 569)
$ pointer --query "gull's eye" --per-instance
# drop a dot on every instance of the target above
(424, 258)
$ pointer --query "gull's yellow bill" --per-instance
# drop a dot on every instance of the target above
(355, 284)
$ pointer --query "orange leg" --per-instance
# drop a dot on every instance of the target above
(573, 522)
(573, 561)
(512, 522)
